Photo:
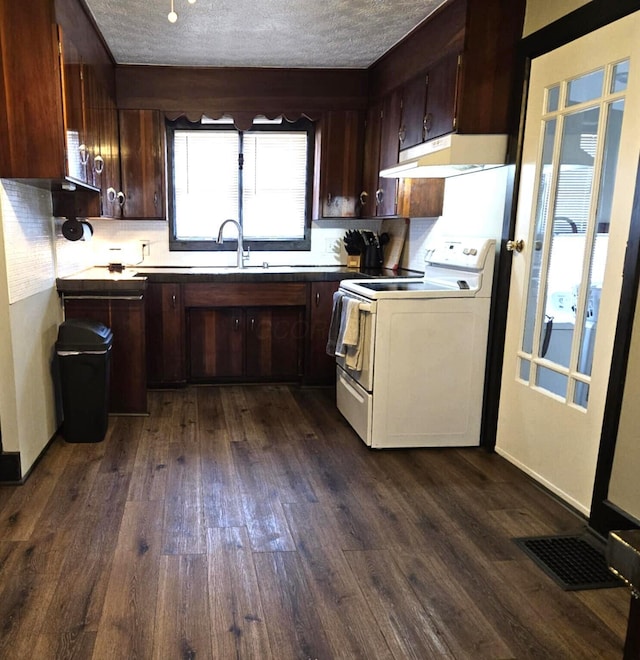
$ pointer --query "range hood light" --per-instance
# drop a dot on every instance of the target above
(450, 155)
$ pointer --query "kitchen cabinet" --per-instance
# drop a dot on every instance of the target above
(468, 50)
(142, 158)
(246, 344)
(47, 48)
(125, 316)
(339, 153)
(320, 368)
(379, 195)
(429, 102)
(245, 331)
(165, 335)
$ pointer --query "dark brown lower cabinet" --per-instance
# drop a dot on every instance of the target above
(320, 368)
(246, 344)
(126, 318)
(166, 364)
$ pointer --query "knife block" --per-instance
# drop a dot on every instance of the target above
(353, 261)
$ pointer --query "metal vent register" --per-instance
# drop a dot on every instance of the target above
(573, 562)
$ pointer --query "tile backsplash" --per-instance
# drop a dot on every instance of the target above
(26, 221)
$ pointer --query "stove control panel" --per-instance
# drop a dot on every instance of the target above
(467, 253)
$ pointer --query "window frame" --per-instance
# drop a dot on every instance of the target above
(230, 245)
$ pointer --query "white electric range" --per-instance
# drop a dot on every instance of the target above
(424, 343)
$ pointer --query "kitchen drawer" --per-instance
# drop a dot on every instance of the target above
(355, 404)
(249, 294)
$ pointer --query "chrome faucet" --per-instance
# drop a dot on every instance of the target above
(240, 250)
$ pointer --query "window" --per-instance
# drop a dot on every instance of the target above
(263, 178)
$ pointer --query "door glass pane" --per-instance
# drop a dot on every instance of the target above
(585, 88)
(552, 381)
(598, 253)
(620, 77)
(553, 98)
(570, 223)
(525, 370)
(542, 207)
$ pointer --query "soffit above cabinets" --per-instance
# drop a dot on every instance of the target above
(257, 33)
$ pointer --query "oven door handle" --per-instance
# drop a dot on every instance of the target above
(365, 307)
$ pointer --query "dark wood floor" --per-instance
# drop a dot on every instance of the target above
(251, 522)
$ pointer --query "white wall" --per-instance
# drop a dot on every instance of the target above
(30, 313)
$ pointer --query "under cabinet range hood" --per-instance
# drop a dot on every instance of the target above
(449, 155)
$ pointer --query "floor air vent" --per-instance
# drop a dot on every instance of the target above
(571, 561)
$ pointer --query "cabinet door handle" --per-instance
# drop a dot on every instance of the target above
(236, 324)
(84, 154)
(173, 301)
(379, 196)
(427, 124)
(112, 195)
(98, 164)
(122, 198)
(402, 134)
(317, 298)
(253, 325)
(155, 199)
(364, 195)
(329, 199)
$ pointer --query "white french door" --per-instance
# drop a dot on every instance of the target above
(580, 154)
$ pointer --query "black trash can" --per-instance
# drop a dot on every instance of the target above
(83, 351)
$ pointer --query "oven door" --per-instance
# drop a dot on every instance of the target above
(364, 377)
(355, 404)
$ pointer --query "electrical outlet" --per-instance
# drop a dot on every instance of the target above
(145, 245)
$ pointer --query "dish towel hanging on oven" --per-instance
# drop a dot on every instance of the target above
(349, 343)
(334, 326)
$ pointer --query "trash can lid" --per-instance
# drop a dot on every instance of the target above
(83, 335)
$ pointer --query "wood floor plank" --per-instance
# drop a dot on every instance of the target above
(128, 617)
(185, 417)
(458, 618)
(150, 468)
(341, 606)
(182, 613)
(64, 646)
(29, 579)
(294, 626)
(122, 445)
(407, 627)
(583, 638)
(88, 556)
(24, 504)
(221, 500)
(184, 531)
(238, 628)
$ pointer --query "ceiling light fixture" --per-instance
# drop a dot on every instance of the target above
(172, 16)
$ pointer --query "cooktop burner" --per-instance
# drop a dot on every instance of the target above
(411, 286)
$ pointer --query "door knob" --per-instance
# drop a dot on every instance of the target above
(515, 246)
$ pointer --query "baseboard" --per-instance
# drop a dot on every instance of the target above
(10, 469)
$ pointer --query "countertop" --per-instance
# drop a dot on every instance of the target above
(99, 280)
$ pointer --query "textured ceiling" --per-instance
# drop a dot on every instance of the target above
(257, 33)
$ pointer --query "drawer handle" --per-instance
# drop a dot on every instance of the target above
(173, 300)
(317, 298)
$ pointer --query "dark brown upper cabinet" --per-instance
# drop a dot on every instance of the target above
(379, 195)
(338, 170)
(54, 65)
(142, 162)
(457, 71)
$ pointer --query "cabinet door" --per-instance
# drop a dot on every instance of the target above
(110, 152)
(73, 107)
(320, 368)
(371, 165)
(389, 147)
(128, 389)
(412, 128)
(442, 86)
(165, 335)
(341, 142)
(216, 344)
(142, 164)
(274, 343)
